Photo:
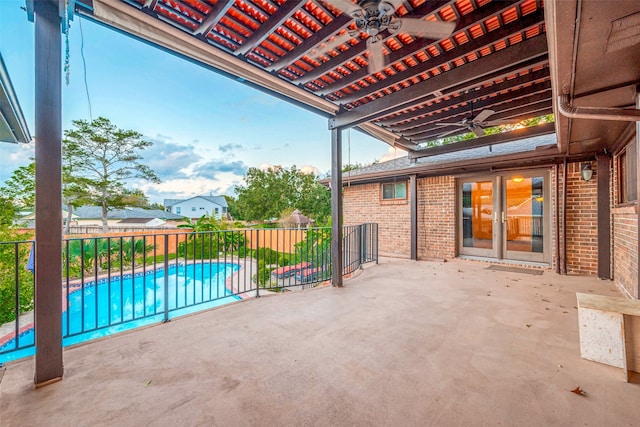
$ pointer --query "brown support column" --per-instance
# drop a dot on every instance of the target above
(604, 218)
(414, 216)
(336, 207)
(48, 137)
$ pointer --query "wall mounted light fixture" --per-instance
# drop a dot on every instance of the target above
(586, 171)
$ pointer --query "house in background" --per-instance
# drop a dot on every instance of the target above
(196, 207)
(88, 216)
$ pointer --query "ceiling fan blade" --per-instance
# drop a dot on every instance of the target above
(442, 135)
(500, 122)
(478, 131)
(429, 29)
(376, 55)
(331, 45)
(389, 7)
(450, 124)
(483, 115)
(346, 6)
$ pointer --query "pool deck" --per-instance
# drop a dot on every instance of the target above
(403, 343)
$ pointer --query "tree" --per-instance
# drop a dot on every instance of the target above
(104, 157)
(8, 213)
(269, 192)
(232, 207)
(21, 186)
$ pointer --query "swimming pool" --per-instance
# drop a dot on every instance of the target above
(129, 301)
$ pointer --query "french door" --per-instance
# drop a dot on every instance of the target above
(505, 216)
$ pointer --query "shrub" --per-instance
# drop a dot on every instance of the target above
(8, 277)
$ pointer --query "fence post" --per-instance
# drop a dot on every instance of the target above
(257, 263)
(166, 277)
(376, 240)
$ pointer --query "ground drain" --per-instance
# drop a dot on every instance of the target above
(515, 269)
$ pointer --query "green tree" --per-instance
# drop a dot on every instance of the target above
(232, 207)
(269, 192)
(105, 157)
(8, 276)
(21, 186)
(8, 213)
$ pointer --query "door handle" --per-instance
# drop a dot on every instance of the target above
(504, 217)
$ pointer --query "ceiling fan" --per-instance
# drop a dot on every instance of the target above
(374, 16)
(476, 124)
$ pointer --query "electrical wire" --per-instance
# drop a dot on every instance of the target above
(84, 67)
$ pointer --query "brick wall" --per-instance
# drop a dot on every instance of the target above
(362, 203)
(582, 222)
(624, 221)
(436, 217)
(437, 220)
(625, 249)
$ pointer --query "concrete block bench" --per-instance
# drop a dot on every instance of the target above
(610, 331)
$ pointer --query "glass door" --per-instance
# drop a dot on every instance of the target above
(505, 217)
(478, 218)
(524, 217)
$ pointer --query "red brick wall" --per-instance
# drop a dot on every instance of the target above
(362, 203)
(625, 249)
(624, 221)
(582, 222)
(436, 217)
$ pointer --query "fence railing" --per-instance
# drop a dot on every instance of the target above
(114, 283)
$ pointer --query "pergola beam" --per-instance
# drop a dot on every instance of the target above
(404, 52)
(472, 46)
(338, 23)
(283, 13)
(519, 104)
(213, 17)
(472, 96)
(499, 138)
(397, 101)
(539, 109)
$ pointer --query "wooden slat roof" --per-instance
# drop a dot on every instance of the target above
(497, 58)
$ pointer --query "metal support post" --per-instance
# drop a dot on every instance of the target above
(48, 133)
(336, 207)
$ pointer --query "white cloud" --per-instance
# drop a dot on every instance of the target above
(182, 188)
(393, 153)
(168, 159)
(12, 156)
(310, 170)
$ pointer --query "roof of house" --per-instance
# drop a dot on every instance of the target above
(446, 162)
(91, 212)
(218, 200)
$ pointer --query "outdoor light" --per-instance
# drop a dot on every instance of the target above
(586, 171)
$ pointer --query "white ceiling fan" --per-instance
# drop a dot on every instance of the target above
(374, 16)
(476, 124)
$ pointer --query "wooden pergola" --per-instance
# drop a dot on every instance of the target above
(503, 61)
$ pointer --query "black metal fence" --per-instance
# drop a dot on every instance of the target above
(115, 283)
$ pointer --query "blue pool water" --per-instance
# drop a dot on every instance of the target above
(127, 302)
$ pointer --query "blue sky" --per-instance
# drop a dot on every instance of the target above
(207, 129)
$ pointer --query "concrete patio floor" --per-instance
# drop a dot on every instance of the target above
(403, 343)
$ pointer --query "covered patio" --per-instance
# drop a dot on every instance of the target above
(404, 343)
(394, 345)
